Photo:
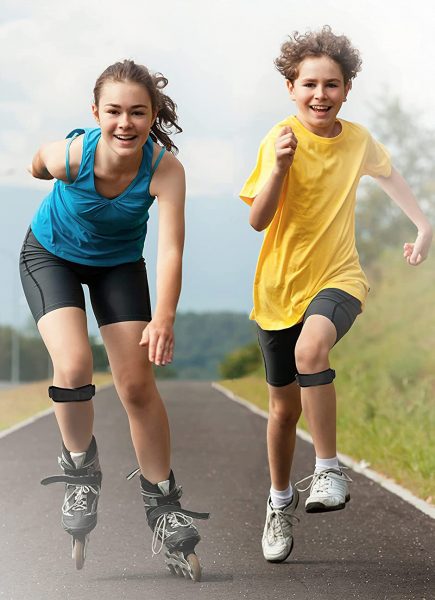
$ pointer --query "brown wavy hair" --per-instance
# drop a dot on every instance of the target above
(318, 43)
(163, 105)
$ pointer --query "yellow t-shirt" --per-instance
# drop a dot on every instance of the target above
(310, 243)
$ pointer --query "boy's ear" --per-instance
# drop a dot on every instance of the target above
(95, 113)
(290, 88)
(347, 89)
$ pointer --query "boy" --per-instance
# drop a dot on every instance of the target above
(309, 286)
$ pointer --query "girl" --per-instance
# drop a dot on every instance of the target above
(90, 229)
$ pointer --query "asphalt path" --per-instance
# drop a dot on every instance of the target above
(378, 548)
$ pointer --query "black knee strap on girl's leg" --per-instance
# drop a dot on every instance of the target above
(312, 379)
(80, 394)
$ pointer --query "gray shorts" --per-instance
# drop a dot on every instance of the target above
(278, 347)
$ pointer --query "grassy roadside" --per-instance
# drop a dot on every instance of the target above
(385, 380)
(25, 401)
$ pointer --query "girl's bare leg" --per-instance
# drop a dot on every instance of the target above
(64, 332)
(134, 380)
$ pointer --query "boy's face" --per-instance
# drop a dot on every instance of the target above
(319, 91)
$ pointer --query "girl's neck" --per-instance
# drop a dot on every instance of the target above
(110, 163)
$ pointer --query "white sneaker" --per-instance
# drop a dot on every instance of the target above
(277, 541)
(328, 490)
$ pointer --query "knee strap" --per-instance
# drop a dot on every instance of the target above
(80, 394)
(312, 379)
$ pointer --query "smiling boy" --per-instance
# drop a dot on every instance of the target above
(309, 286)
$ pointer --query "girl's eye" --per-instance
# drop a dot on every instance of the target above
(138, 113)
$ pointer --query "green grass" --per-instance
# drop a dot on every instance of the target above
(385, 379)
(25, 401)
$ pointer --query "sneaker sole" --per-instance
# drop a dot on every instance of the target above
(318, 507)
(280, 560)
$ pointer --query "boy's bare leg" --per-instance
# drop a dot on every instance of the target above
(329, 489)
(284, 413)
(317, 337)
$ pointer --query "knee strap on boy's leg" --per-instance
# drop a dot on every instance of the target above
(311, 379)
(80, 394)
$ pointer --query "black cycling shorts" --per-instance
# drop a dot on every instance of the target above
(118, 293)
(278, 347)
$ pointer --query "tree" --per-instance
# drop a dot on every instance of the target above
(241, 362)
(380, 223)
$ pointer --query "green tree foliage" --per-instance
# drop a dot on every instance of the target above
(379, 223)
(241, 362)
(203, 339)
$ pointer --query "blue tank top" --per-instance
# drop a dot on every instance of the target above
(76, 223)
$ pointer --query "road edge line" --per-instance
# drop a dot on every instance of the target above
(358, 467)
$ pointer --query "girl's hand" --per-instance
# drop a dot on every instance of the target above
(158, 335)
(417, 252)
(285, 148)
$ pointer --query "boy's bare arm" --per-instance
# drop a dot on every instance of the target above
(266, 202)
(399, 191)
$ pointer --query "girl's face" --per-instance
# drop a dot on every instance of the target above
(125, 115)
(319, 91)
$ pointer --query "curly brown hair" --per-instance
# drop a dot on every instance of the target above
(163, 105)
(318, 43)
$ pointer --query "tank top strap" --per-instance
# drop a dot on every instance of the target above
(156, 164)
(70, 137)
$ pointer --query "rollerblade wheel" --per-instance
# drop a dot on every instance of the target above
(195, 567)
(79, 552)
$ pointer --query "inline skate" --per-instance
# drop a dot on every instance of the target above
(82, 477)
(172, 526)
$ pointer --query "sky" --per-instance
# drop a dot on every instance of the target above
(218, 58)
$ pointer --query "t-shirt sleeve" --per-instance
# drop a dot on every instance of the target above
(377, 159)
(263, 169)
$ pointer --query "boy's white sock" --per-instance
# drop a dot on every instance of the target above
(280, 498)
(326, 463)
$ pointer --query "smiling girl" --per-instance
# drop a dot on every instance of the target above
(309, 286)
(90, 230)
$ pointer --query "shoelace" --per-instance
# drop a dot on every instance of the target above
(174, 519)
(80, 502)
(321, 479)
(274, 524)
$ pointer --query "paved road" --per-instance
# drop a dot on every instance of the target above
(379, 548)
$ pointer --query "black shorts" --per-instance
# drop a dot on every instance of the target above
(278, 347)
(118, 293)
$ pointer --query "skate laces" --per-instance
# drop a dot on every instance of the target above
(79, 493)
(321, 480)
(174, 520)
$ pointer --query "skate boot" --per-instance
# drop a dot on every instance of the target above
(172, 527)
(82, 477)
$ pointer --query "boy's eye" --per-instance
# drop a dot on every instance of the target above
(138, 113)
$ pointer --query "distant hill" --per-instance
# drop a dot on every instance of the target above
(203, 339)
